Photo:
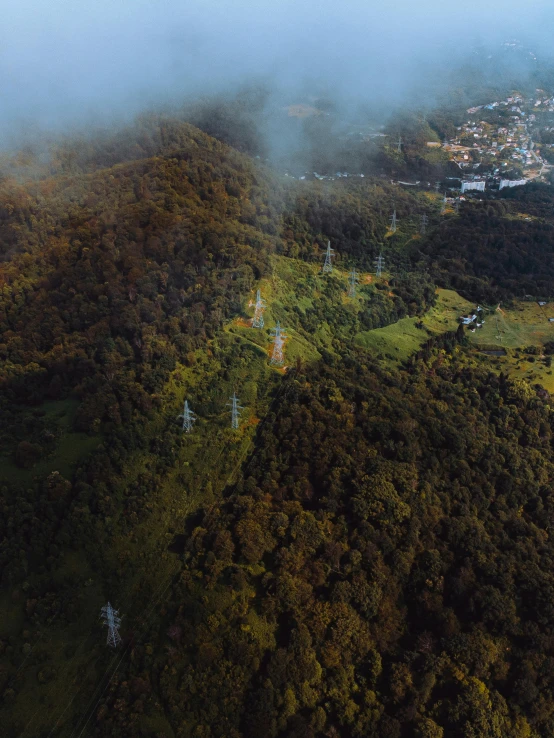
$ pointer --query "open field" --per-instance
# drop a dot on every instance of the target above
(515, 329)
(521, 366)
(295, 290)
(526, 324)
(400, 340)
(505, 329)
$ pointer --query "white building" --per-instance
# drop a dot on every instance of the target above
(478, 184)
(511, 183)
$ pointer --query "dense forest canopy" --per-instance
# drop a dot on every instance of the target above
(381, 567)
(498, 248)
(369, 554)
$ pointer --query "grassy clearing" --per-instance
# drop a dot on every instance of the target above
(445, 314)
(298, 287)
(523, 367)
(523, 325)
(526, 324)
(510, 329)
(397, 342)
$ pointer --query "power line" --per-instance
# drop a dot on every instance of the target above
(123, 655)
(379, 264)
(235, 411)
(258, 319)
(283, 389)
(277, 357)
(113, 621)
(352, 282)
(189, 418)
(327, 264)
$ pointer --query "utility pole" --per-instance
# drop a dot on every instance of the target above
(393, 222)
(327, 265)
(424, 223)
(277, 358)
(258, 319)
(457, 206)
(189, 418)
(379, 264)
(352, 282)
(235, 411)
(113, 621)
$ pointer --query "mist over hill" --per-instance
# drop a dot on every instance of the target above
(92, 65)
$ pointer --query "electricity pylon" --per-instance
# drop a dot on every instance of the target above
(258, 319)
(393, 222)
(189, 418)
(379, 264)
(399, 146)
(235, 411)
(277, 358)
(443, 205)
(424, 223)
(113, 621)
(327, 265)
(352, 282)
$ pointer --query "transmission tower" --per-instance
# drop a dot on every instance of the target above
(328, 266)
(352, 282)
(235, 411)
(424, 223)
(258, 319)
(443, 205)
(113, 621)
(393, 222)
(399, 146)
(457, 206)
(379, 264)
(277, 358)
(189, 418)
(437, 186)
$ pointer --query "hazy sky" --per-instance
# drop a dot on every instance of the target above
(65, 61)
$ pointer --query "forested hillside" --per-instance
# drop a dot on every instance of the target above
(116, 283)
(497, 248)
(382, 568)
(368, 554)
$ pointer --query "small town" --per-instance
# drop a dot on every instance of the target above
(504, 143)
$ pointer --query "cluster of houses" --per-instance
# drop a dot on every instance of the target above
(473, 320)
(504, 140)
